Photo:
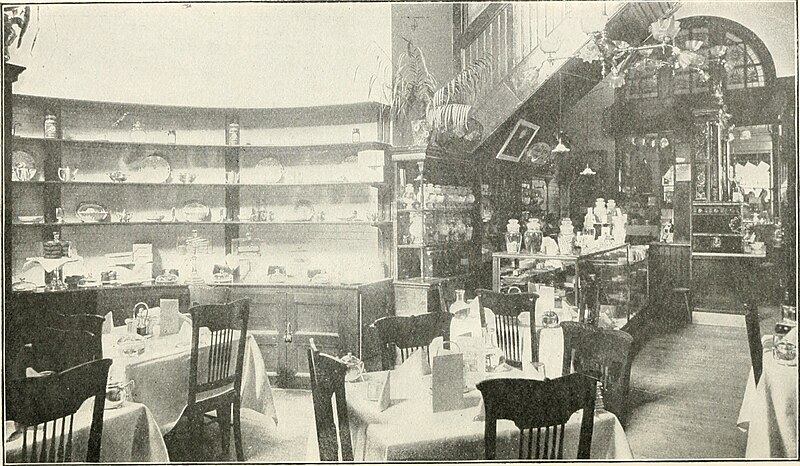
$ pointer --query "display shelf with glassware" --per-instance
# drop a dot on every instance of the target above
(436, 212)
(605, 287)
(105, 175)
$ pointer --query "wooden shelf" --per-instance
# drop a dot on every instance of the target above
(376, 184)
(168, 223)
(367, 145)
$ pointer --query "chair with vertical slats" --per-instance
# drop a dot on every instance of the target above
(56, 350)
(752, 322)
(215, 379)
(409, 333)
(540, 410)
(506, 309)
(327, 388)
(447, 295)
(45, 409)
(604, 355)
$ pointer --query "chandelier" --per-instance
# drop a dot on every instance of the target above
(659, 50)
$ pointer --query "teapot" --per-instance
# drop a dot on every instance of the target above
(67, 173)
(355, 368)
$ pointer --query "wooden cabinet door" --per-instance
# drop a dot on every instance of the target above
(324, 316)
(267, 323)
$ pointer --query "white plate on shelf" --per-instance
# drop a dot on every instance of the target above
(153, 169)
(31, 218)
(268, 170)
(196, 211)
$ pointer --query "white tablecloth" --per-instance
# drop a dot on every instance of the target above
(130, 434)
(161, 375)
(769, 411)
(409, 430)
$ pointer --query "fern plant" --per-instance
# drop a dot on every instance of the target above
(416, 94)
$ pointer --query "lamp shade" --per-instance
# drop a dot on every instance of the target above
(560, 147)
(550, 43)
(593, 23)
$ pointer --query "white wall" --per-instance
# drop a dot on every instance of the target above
(243, 55)
(774, 22)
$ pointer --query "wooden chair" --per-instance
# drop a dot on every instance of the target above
(409, 333)
(752, 322)
(202, 294)
(540, 410)
(56, 350)
(223, 320)
(506, 309)
(447, 295)
(327, 382)
(603, 354)
(39, 403)
(87, 322)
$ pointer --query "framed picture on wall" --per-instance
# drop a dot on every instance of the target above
(516, 143)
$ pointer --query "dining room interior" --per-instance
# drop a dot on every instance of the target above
(274, 232)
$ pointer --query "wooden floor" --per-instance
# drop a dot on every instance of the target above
(687, 387)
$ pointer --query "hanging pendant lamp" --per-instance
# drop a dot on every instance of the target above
(560, 148)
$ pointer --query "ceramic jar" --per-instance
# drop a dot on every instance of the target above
(600, 211)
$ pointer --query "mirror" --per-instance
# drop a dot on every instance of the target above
(752, 170)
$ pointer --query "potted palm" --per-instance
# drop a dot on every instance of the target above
(435, 112)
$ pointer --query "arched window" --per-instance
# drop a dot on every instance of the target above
(748, 62)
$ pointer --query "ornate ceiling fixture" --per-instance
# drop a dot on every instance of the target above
(659, 50)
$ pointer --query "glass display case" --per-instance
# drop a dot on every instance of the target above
(607, 287)
(436, 212)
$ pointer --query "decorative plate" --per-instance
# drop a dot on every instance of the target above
(540, 152)
(25, 163)
(154, 169)
(91, 213)
(303, 211)
(269, 170)
(196, 211)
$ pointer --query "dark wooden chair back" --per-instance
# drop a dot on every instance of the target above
(447, 294)
(752, 322)
(202, 294)
(46, 406)
(409, 333)
(540, 410)
(88, 323)
(56, 350)
(603, 354)
(223, 320)
(506, 309)
(327, 388)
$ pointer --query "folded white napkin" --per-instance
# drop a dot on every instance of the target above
(170, 317)
(408, 378)
(108, 323)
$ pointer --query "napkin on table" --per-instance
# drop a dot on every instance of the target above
(108, 323)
